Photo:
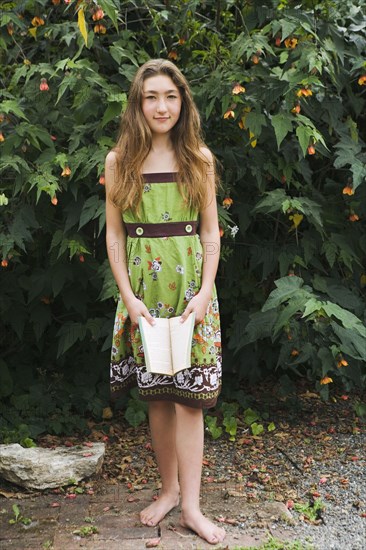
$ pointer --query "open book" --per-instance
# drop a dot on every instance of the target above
(167, 344)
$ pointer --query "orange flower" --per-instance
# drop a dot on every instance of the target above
(4, 263)
(173, 55)
(348, 190)
(278, 41)
(181, 41)
(81, 258)
(98, 14)
(342, 363)
(43, 85)
(353, 217)
(229, 114)
(2, 137)
(311, 150)
(10, 28)
(227, 202)
(66, 171)
(362, 80)
(296, 109)
(304, 92)
(325, 380)
(255, 59)
(238, 89)
(37, 21)
(102, 179)
(291, 43)
(54, 200)
(56, 2)
(294, 352)
(54, 138)
(221, 231)
(100, 29)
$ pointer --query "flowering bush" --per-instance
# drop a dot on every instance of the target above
(281, 88)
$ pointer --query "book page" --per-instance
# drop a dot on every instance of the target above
(181, 341)
(156, 342)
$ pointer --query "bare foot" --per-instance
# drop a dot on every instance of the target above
(203, 527)
(155, 512)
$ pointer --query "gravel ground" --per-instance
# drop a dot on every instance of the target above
(343, 524)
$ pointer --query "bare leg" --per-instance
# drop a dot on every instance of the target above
(162, 419)
(189, 445)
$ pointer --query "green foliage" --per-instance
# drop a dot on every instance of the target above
(136, 411)
(18, 518)
(275, 544)
(232, 417)
(310, 510)
(298, 213)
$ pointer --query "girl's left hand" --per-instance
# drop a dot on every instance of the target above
(198, 304)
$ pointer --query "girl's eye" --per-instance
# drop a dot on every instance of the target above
(172, 96)
(150, 97)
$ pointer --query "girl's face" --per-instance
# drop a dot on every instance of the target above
(161, 103)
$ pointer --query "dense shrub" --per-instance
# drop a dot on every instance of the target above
(281, 89)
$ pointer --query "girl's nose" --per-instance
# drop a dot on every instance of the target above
(161, 106)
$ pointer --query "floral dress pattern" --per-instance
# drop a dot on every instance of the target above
(165, 273)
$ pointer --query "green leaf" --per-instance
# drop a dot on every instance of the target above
(111, 10)
(250, 416)
(211, 422)
(90, 209)
(254, 122)
(330, 250)
(271, 427)
(231, 426)
(286, 287)
(352, 343)
(311, 306)
(288, 27)
(256, 428)
(348, 319)
(10, 106)
(69, 334)
(272, 202)
(282, 124)
(134, 416)
(303, 134)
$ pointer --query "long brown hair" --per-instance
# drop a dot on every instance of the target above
(135, 139)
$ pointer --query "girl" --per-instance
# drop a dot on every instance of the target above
(160, 181)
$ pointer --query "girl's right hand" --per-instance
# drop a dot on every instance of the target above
(136, 308)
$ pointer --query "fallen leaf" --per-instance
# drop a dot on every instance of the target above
(152, 543)
(88, 454)
(88, 444)
(6, 494)
(55, 505)
(231, 521)
(132, 499)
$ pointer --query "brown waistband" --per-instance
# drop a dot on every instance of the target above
(165, 229)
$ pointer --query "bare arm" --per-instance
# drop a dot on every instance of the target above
(210, 239)
(116, 239)
(209, 234)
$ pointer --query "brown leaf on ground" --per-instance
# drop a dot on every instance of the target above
(153, 543)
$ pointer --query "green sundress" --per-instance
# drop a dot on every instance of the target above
(165, 273)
